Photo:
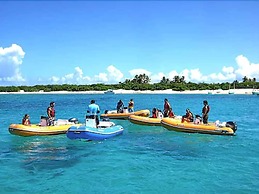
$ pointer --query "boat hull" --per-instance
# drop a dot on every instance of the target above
(211, 128)
(37, 130)
(90, 133)
(144, 113)
(140, 120)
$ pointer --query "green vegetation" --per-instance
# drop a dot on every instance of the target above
(139, 82)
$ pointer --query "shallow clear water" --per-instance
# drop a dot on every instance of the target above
(143, 160)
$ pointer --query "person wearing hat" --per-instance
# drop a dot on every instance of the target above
(188, 116)
(93, 110)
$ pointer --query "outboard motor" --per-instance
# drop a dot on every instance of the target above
(73, 120)
(232, 125)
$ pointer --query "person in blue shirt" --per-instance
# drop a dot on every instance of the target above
(93, 110)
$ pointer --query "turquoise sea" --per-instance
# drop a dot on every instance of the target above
(145, 159)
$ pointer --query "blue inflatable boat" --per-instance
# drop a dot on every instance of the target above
(90, 131)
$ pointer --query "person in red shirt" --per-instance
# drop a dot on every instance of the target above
(171, 113)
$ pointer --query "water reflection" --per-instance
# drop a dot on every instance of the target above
(40, 154)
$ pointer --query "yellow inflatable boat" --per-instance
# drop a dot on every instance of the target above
(140, 120)
(114, 115)
(226, 128)
(60, 127)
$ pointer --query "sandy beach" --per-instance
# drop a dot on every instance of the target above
(169, 91)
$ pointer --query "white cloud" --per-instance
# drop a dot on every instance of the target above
(11, 59)
(101, 77)
(171, 74)
(245, 68)
(112, 76)
(155, 78)
(10, 62)
(54, 79)
(71, 78)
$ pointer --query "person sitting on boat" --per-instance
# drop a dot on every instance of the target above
(197, 120)
(120, 106)
(154, 113)
(131, 106)
(93, 110)
(171, 113)
(188, 116)
(205, 112)
(167, 106)
(26, 120)
(51, 113)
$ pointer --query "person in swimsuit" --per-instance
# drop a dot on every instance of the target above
(51, 113)
(26, 120)
(167, 108)
(205, 112)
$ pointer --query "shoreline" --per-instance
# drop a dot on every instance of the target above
(169, 91)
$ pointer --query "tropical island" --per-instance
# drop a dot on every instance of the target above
(140, 83)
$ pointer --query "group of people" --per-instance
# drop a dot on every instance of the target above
(189, 117)
(50, 116)
(120, 106)
(167, 111)
(94, 109)
(92, 112)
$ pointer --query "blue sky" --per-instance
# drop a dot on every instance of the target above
(85, 42)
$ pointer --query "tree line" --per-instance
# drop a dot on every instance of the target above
(139, 82)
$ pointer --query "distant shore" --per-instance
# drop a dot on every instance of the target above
(120, 91)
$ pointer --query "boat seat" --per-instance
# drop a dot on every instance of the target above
(43, 122)
(90, 122)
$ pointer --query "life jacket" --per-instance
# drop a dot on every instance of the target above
(23, 121)
(52, 111)
(171, 114)
(166, 106)
(131, 104)
(154, 113)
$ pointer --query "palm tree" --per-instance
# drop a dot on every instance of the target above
(164, 80)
